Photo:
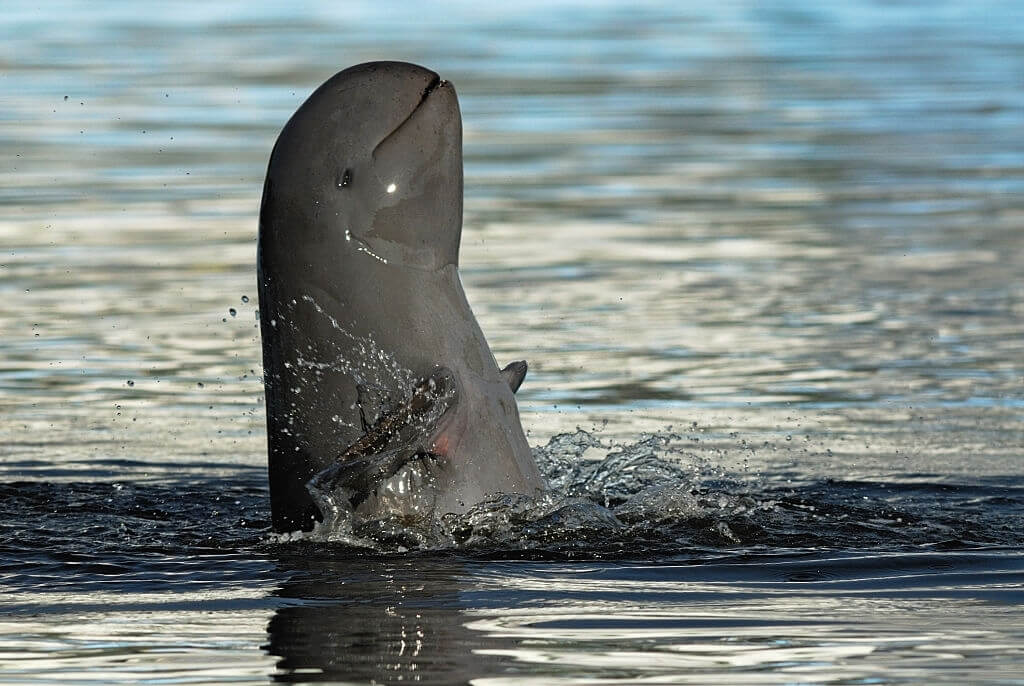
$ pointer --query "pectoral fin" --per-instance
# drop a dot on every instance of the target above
(514, 373)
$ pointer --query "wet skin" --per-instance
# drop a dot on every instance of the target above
(358, 273)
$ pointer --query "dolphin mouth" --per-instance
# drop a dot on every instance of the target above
(435, 83)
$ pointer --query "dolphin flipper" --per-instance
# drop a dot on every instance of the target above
(368, 462)
(514, 373)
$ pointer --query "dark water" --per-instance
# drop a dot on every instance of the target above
(765, 260)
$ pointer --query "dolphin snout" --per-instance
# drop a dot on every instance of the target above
(434, 84)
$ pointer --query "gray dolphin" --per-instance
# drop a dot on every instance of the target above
(378, 377)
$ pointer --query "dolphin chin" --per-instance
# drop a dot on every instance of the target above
(381, 389)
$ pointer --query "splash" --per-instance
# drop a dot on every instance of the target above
(601, 496)
(376, 371)
(648, 496)
(653, 496)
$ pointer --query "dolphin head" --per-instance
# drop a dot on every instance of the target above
(370, 167)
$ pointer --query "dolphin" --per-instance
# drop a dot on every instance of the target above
(379, 382)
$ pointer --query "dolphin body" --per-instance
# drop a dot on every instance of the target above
(378, 378)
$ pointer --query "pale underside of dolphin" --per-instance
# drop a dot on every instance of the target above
(379, 381)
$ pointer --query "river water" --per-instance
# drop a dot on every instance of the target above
(764, 259)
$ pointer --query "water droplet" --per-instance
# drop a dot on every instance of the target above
(232, 311)
(245, 298)
(130, 382)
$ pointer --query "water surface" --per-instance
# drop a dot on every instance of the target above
(774, 245)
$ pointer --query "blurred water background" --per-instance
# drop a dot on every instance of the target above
(783, 237)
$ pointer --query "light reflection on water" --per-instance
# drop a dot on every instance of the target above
(788, 230)
(817, 619)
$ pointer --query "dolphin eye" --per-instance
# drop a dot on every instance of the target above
(345, 179)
